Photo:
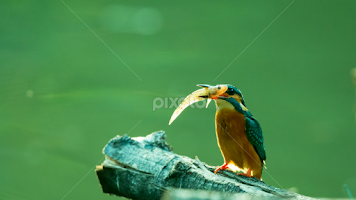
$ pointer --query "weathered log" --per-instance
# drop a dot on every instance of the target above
(146, 167)
(185, 194)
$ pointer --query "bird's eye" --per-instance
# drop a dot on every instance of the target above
(219, 87)
(230, 91)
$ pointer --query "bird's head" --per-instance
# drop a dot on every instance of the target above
(223, 91)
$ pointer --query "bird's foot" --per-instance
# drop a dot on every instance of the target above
(222, 167)
(248, 174)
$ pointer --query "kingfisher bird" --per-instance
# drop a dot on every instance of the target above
(239, 135)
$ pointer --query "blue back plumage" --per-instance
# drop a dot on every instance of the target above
(252, 129)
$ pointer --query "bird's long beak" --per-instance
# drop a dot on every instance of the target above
(213, 92)
(222, 97)
(205, 85)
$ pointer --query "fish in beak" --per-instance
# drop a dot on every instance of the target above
(208, 92)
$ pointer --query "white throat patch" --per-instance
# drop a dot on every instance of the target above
(220, 104)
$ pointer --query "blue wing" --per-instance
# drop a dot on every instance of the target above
(255, 135)
(252, 128)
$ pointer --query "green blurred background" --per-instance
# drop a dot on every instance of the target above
(64, 93)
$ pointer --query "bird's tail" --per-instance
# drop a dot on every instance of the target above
(264, 164)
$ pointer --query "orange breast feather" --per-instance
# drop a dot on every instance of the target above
(233, 142)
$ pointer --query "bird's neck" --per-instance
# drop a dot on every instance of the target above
(222, 104)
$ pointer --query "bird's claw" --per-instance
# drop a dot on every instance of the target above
(222, 167)
(247, 174)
